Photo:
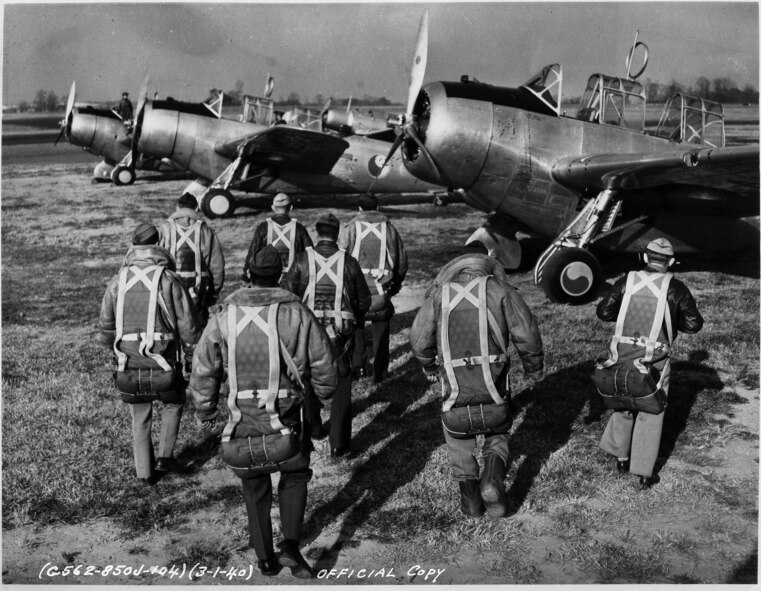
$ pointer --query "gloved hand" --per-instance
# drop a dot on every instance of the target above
(431, 374)
(209, 425)
(187, 369)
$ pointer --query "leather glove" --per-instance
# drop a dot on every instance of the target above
(209, 425)
(431, 374)
(187, 369)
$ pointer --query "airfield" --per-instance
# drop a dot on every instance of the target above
(70, 496)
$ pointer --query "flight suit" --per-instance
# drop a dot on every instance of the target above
(198, 255)
(350, 299)
(247, 375)
(373, 240)
(637, 435)
(147, 316)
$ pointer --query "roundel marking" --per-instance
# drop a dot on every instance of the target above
(576, 278)
(375, 164)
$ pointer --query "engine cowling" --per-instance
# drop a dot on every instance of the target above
(456, 133)
(159, 132)
(338, 120)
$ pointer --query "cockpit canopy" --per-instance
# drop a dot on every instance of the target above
(257, 110)
(547, 86)
(613, 101)
(692, 120)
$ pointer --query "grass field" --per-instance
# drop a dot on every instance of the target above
(70, 496)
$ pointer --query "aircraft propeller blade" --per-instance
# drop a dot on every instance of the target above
(67, 119)
(417, 71)
(269, 86)
(324, 114)
(397, 142)
(142, 99)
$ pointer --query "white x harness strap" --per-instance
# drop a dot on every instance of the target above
(190, 236)
(150, 336)
(380, 231)
(486, 323)
(333, 269)
(638, 284)
(284, 235)
(253, 319)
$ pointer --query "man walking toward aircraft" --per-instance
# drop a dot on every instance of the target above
(466, 323)
(197, 253)
(650, 307)
(286, 234)
(373, 240)
(263, 348)
(149, 320)
(331, 284)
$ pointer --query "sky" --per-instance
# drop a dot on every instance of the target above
(360, 48)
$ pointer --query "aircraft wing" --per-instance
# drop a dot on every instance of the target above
(735, 169)
(288, 148)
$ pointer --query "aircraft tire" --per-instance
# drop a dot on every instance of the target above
(571, 276)
(218, 203)
(122, 175)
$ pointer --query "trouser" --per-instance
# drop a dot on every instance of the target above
(340, 414)
(292, 495)
(380, 330)
(142, 414)
(637, 435)
(462, 453)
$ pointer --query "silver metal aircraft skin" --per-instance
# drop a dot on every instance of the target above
(103, 133)
(254, 157)
(593, 177)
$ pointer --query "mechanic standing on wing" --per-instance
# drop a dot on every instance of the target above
(466, 325)
(331, 284)
(286, 234)
(265, 345)
(125, 107)
(197, 253)
(373, 240)
(148, 318)
(645, 302)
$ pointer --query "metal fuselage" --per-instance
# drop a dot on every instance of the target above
(97, 131)
(503, 155)
(190, 139)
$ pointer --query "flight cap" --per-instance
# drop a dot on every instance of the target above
(328, 220)
(266, 263)
(281, 200)
(145, 233)
(187, 200)
(368, 201)
(661, 247)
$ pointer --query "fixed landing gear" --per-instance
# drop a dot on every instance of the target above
(122, 175)
(567, 271)
(571, 275)
(218, 203)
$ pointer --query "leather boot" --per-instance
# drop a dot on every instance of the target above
(470, 499)
(493, 485)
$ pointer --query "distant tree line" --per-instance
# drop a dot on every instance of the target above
(723, 90)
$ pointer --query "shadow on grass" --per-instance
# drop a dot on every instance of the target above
(401, 459)
(549, 412)
(746, 573)
(688, 379)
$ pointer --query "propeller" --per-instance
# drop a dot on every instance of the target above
(408, 128)
(68, 117)
(324, 114)
(142, 100)
(269, 86)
